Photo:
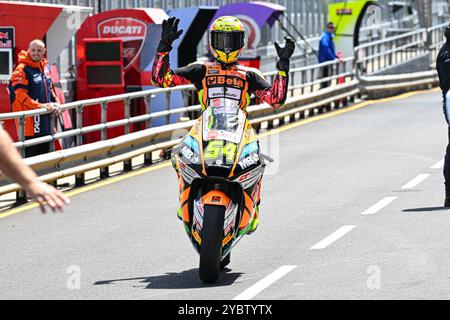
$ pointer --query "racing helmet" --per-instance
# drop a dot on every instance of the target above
(227, 39)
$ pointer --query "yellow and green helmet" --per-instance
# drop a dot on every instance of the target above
(227, 39)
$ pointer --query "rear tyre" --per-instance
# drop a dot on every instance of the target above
(211, 245)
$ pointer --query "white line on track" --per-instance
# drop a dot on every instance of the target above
(438, 165)
(333, 237)
(264, 283)
(379, 205)
(414, 182)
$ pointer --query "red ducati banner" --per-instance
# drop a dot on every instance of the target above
(131, 31)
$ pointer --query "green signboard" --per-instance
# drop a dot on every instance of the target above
(347, 17)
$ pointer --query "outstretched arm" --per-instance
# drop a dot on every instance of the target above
(13, 166)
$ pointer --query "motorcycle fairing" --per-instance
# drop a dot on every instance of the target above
(219, 162)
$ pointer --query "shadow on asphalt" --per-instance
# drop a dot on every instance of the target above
(426, 209)
(188, 279)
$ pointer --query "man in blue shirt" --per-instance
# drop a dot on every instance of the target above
(326, 45)
(327, 51)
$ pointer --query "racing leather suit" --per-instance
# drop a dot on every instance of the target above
(221, 84)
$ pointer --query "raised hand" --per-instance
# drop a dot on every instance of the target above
(169, 33)
(285, 53)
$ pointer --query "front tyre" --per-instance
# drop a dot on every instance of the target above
(211, 245)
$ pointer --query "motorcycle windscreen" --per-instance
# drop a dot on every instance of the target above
(223, 123)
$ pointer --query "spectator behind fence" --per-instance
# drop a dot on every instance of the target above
(31, 89)
(443, 70)
(14, 167)
(327, 52)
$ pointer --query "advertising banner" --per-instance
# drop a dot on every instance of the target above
(348, 17)
(131, 31)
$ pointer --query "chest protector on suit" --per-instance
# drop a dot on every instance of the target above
(224, 87)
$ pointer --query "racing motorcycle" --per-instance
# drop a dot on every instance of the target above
(219, 167)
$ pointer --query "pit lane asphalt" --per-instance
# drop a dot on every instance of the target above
(123, 240)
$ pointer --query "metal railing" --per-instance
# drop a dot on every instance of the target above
(302, 80)
(314, 77)
(379, 56)
(308, 92)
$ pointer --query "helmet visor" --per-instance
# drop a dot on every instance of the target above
(227, 41)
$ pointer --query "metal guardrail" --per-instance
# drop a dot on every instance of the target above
(378, 56)
(309, 93)
(304, 98)
(417, 49)
(368, 34)
(382, 54)
(302, 80)
(374, 87)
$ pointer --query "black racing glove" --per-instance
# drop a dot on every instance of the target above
(285, 53)
(169, 34)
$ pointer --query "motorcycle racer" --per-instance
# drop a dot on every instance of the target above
(223, 82)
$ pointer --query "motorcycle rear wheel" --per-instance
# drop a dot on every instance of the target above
(211, 245)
